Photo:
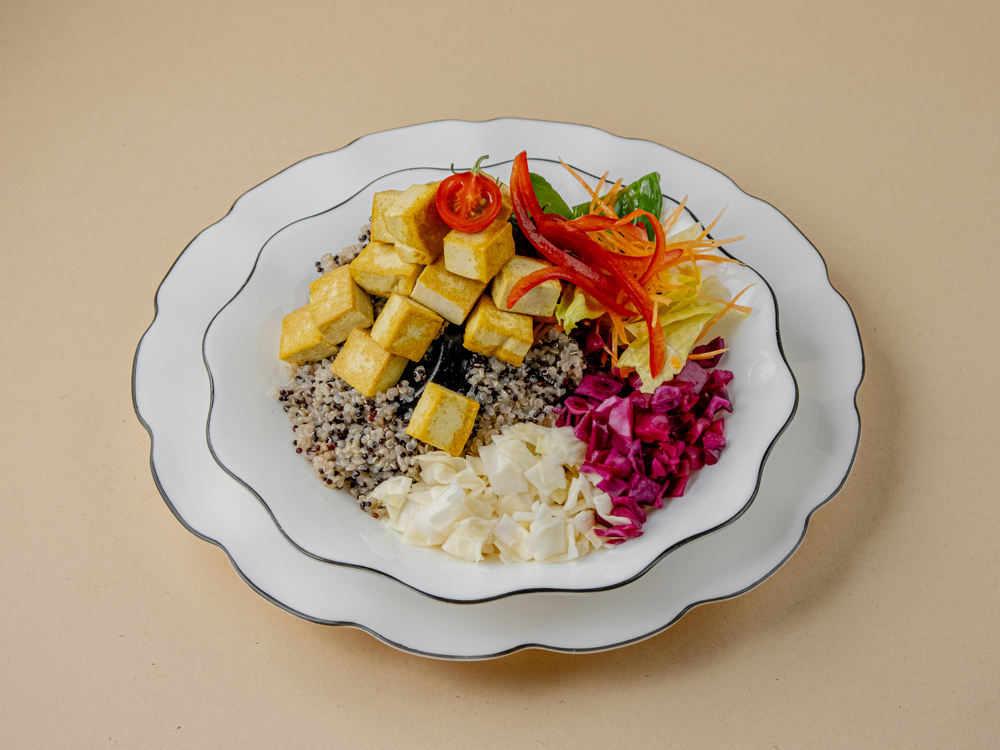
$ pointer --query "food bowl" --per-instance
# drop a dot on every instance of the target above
(250, 437)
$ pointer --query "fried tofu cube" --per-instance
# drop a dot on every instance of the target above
(405, 327)
(380, 202)
(449, 295)
(481, 254)
(443, 418)
(413, 220)
(378, 270)
(506, 206)
(540, 301)
(366, 366)
(301, 341)
(338, 304)
(504, 335)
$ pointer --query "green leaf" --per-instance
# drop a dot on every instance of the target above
(644, 193)
(549, 199)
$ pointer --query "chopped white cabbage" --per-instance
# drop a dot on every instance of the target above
(468, 539)
(528, 432)
(506, 460)
(584, 521)
(604, 507)
(511, 538)
(561, 446)
(477, 465)
(511, 504)
(546, 477)
(479, 507)
(392, 494)
(547, 537)
(520, 500)
(439, 518)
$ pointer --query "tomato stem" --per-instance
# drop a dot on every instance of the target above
(475, 169)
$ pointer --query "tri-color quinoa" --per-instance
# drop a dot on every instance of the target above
(355, 443)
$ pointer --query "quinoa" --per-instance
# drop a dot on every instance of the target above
(508, 394)
(355, 443)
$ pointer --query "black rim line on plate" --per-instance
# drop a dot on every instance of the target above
(517, 592)
(348, 623)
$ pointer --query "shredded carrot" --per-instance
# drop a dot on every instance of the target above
(674, 215)
(616, 242)
(597, 191)
(717, 259)
(708, 355)
(612, 197)
(619, 329)
(593, 195)
(711, 226)
(738, 308)
(722, 312)
(614, 357)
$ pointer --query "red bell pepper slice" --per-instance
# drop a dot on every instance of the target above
(533, 279)
(582, 244)
(638, 264)
(547, 232)
(522, 197)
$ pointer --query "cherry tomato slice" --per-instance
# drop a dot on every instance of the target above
(469, 201)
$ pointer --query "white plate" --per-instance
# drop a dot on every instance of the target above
(806, 467)
(250, 436)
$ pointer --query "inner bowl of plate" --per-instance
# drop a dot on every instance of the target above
(250, 434)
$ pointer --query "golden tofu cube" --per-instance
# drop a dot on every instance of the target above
(449, 295)
(540, 301)
(480, 255)
(380, 202)
(413, 221)
(405, 327)
(506, 206)
(443, 418)
(366, 366)
(378, 270)
(338, 304)
(301, 341)
(504, 335)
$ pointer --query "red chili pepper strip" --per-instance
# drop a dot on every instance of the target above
(638, 264)
(582, 244)
(522, 195)
(598, 223)
(533, 279)
(589, 252)
(661, 244)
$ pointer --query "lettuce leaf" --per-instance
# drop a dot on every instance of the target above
(682, 323)
(575, 306)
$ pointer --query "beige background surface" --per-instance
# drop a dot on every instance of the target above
(125, 128)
